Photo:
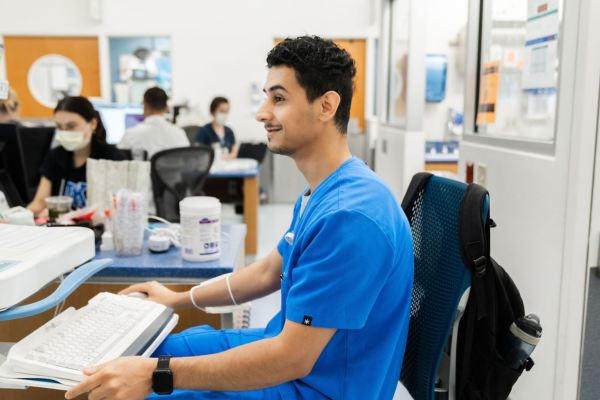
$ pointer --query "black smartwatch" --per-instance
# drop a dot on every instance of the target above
(162, 378)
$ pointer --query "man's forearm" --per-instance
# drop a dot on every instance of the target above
(255, 281)
(253, 366)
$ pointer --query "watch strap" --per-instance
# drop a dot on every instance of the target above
(163, 362)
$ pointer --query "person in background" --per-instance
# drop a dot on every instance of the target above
(216, 131)
(81, 135)
(10, 108)
(155, 133)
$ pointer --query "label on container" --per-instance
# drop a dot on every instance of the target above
(200, 237)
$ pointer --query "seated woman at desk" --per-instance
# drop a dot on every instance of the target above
(216, 131)
(81, 134)
(10, 108)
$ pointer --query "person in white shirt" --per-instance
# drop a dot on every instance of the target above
(155, 133)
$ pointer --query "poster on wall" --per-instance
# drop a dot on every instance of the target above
(488, 93)
(541, 44)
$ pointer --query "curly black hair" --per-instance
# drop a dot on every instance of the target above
(320, 66)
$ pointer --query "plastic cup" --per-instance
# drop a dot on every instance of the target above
(58, 205)
(129, 220)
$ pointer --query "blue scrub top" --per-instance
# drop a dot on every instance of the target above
(350, 267)
(206, 136)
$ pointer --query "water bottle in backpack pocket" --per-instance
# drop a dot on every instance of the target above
(520, 341)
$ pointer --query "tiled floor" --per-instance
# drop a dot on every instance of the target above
(274, 220)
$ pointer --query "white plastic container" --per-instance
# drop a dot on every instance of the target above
(201, 228)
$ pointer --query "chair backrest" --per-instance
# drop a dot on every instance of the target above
(36, 143)
(176, 174)
(127, 154)
(255, 151)
(13, 159)
(190, 132)
(440, 280)
(134, 154)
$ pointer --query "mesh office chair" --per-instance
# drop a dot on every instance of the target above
(440, 290)
(176, 174)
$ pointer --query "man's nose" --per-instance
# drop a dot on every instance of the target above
(264, 113)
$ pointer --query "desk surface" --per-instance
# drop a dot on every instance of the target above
(249, 173)
(171, 265)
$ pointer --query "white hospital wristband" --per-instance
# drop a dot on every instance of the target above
(229, 287)
(192, 298)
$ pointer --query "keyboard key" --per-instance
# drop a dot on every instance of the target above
(65, 361)
(53, 360)
(81, 366)
(105, 345)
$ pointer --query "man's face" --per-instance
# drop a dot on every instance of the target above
(288, 116)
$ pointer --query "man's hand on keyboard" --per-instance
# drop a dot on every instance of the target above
(156, 292)
(126, 378)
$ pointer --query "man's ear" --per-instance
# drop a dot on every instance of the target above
(329, 102)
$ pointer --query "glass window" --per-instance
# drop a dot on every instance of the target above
(518, 72)
(138, 63)
(398, 68)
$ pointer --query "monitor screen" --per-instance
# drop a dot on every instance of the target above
(132, 120)
(117, 118)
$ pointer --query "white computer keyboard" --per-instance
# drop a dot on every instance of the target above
(110, 326)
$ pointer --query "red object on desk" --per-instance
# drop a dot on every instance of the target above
(470, 167)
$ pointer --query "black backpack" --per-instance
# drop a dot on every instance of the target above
(494, 304)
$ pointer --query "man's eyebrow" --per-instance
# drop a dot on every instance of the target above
(272, 88)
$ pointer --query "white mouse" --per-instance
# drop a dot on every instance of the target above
(138, 295)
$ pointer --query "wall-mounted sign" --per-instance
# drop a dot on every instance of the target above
(488, 93)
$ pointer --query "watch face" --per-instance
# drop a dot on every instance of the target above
(162, 381)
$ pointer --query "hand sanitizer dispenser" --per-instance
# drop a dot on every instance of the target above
(435, 90)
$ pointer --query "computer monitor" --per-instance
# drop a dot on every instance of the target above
(12, 160)
(118, 117)
(132, 120)
(35, 143)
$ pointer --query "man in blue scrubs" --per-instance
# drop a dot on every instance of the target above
(344, 268)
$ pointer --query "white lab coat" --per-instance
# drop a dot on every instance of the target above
(154, 134)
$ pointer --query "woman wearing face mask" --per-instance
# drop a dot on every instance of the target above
(81, 135)
(216, 131)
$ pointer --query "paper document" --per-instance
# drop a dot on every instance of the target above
(541, 42)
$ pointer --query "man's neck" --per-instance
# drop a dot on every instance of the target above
(154, 113)
(322, 159)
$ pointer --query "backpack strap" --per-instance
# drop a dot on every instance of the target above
(474, 245)
(474, 240)
(466, 359)
(418, 182)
